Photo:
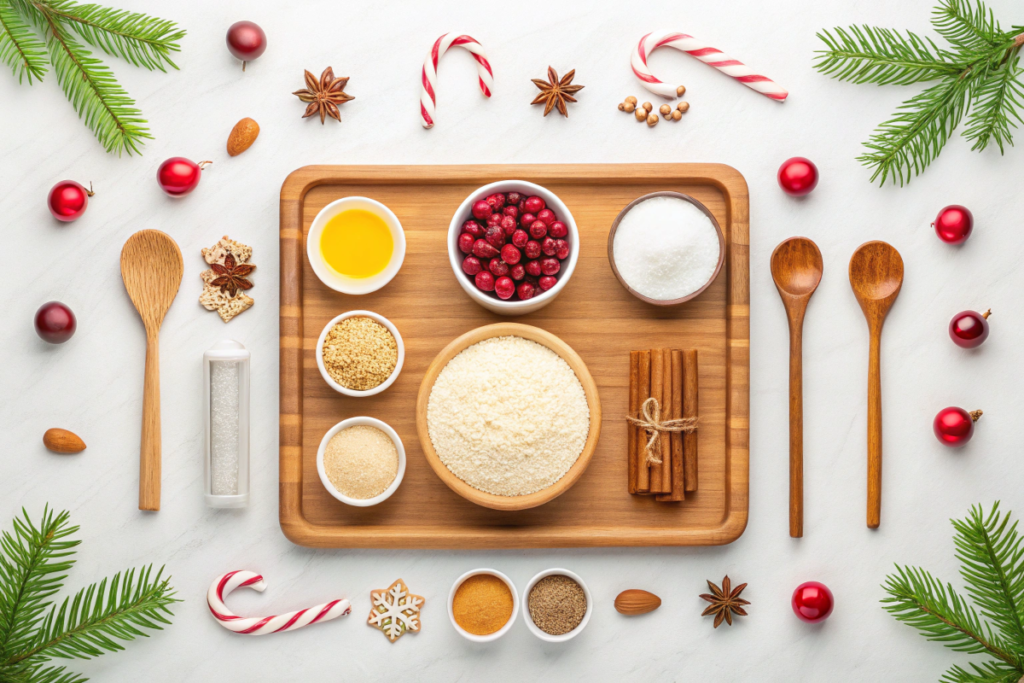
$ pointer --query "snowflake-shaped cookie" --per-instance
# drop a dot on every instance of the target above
(395, 610)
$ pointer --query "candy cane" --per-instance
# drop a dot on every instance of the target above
(709, 55)
(259, 626)
(428, 95)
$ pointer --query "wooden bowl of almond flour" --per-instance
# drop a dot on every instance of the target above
(508, 416)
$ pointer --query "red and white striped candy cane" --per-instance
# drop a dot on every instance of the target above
(709, 55)
(261, 626)
(428, 94)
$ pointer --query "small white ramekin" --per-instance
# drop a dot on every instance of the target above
(508, 624)
(352, 392)
(334, 279)
(455, 257)
(356, 422)
(526, 607)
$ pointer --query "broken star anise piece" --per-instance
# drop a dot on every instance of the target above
(555, 93)
(324, 95)
(231, 276)
(725, 602)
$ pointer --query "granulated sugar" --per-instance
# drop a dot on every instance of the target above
(666, 248)
(508, 416)
(224, 428)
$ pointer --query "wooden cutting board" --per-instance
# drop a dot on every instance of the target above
(594, 315)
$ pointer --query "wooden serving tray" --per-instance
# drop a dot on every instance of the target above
(594, 315)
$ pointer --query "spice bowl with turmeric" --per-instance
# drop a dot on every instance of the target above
(483, 605)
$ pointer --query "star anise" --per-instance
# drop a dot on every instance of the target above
(324, 95)
(555, 93)
(724, 602)
(231, 276)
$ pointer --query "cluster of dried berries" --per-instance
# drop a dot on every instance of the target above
(644, 112)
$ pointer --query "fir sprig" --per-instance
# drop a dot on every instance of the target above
(991, 555)
(95, 94)
(979, 71)
(33, 565)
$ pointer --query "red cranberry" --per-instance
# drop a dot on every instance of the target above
(504, 288)
(471, 265)
(495, 237)
(497, 267)
(494, 219)
(526, 291)
(547, 282)
(521, 205)
(561, 249)
(482, 209)
(55, 323)
(510, 255)
(526, 220)
(514, 197)
(550, 266)
(496, 200)
(517, 272)
(484, 281)
(481, 249)
(511, 211)
(532, 249)
(548, 246)
(466, 243)
(558, 230)
(520, 238)
(534, 204)
(533, 281)
(508, 224)
(533, 268)
(547, 215)
(473, 228)
(538, 230)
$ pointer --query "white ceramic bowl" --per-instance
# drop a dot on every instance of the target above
(355, 422)
(352, 392)
(508, 624)
(334, 279)
(488, 300)
(526, 607)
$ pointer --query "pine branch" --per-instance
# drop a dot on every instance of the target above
(882, 56)
(39, 674)
(966, 27)
(20, 49)
(989, 672)
(997, 100)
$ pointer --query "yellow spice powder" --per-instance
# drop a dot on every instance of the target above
(360, 353)
(361, 461)
(482, 604)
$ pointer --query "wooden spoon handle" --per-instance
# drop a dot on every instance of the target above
(875, 432)
(796, 430)
(149, 454)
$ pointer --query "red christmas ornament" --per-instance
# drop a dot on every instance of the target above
(969, 328)
(55, 323)
(812, 602)
(178, 176)
(68, 200)
(798, 176)
(246, 41)
(955, 426)
(954, 223)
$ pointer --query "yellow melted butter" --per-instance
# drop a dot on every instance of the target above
(357, 243)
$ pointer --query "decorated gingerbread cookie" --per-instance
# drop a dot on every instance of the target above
(395, 610)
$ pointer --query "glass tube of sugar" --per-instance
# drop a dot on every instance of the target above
(226, 379)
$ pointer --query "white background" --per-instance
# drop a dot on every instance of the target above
(93, 384)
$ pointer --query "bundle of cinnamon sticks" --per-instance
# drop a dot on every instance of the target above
(669, 376)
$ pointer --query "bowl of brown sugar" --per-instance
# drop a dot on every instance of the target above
(361, 461)
(360, 353)
(558, 605)
(483, 605)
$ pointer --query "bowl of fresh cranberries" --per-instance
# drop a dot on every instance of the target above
(513, 246)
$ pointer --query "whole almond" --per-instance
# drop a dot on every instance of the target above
(636, 601)
(63, 441)
(242, 136)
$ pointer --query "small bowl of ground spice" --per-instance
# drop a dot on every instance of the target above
(558, 605)
(360, 353)
(483, 605)
(361, 461)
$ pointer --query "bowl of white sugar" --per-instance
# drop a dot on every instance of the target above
(666, 248)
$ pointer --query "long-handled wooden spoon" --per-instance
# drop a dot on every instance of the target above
(876, 276)
(796, 269)
(151, 268)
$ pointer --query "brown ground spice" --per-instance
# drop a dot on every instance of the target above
(557, 604)
(482, 604)
(360, 353)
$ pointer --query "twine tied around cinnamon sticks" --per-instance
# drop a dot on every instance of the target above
(650, 421)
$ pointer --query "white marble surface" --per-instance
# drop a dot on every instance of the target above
(93, 384)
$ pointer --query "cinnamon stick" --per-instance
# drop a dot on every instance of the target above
(666, 412)
(690, 409)
(632, 464)
(676, 439)
(643, 473)
(657, 393)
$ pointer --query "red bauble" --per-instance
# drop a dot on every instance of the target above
(246, 40)
(954, 223)
(798, 176)
(955, 426)
(68, 200)
(812, 602)
(969, 328)
(55, 322)
(178, 176)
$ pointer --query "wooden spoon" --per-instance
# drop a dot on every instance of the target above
(796, 269)
(151, 268)
(876, 276)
